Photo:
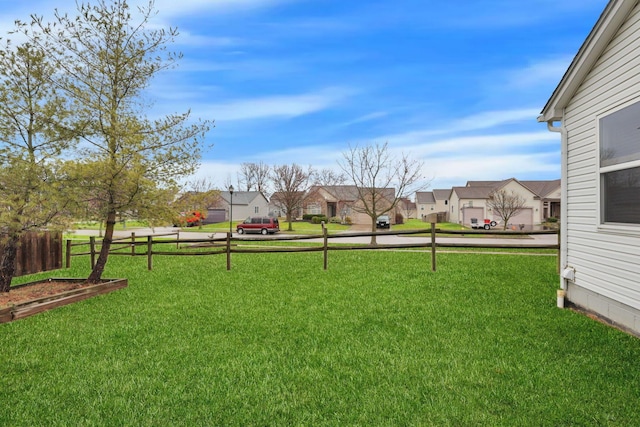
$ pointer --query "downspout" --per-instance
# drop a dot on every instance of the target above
(563, 206)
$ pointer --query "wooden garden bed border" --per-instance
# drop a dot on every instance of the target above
(38, 305)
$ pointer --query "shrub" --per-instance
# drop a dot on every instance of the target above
(335, 220)
(399, 218)
(318, 219)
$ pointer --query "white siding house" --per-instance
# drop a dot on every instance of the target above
(541, 201)
(596, 110)
(425, 203)
(245, 204)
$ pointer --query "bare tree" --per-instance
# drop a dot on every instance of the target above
(291, 183)
(407, 208)
(254, 176)
(381, 178)
(328, 177)
(506, 205)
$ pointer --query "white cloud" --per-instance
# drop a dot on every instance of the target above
(183, 7)
(277, 106)
(367, 118)
(538, 73)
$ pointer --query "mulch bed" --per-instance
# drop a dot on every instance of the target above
(33, 298)
(21, 294)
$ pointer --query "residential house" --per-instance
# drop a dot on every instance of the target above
(245, 204)
(472, 201)
(406, 208)
(596, 109)
(343, 201)
(425, 203)
(436, 201)
(442, 201)
(278, 204)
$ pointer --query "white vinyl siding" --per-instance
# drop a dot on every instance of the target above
(605, 259)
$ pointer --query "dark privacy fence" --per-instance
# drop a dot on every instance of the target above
(37, 252)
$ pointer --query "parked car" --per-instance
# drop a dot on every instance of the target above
(260, 224)
(486, 223)
(383, 221)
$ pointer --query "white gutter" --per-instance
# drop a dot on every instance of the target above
(563, 200)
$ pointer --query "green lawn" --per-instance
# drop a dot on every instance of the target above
(375, 340)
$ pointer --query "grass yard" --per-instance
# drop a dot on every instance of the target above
(376, 340)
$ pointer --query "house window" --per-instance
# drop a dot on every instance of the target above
(619, 146)
(256, 209)
(446, 202)
(314, 209)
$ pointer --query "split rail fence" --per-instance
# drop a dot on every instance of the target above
(228, 245)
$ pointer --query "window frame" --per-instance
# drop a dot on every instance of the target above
(614, 227)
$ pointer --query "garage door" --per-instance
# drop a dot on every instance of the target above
(524, 217)
(468, 213)
(215, 216)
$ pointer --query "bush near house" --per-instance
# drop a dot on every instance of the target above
(188, 219)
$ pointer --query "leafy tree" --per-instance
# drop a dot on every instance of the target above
(506, 205)
(381, 179)
(291, 183)
(106, 59)
(32, 136)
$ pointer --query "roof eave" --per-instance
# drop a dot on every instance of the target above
(596, 42)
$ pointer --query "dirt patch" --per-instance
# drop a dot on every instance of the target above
(21, 294)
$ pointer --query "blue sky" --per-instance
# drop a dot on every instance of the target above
(456, 84)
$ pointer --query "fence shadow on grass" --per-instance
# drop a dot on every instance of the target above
(159, 244)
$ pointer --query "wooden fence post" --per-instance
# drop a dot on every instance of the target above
(433, 246)
(68, 254)
(92, 245)
(325, 245)
(228, 251)
(133, 243)
(149, 252)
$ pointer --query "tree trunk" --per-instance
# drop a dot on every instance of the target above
(8, 262)
(98, 269)
(289, 220)
(374, 229)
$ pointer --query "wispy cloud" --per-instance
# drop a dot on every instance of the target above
(184, 7)
(285, 106)
(476, 122)
(533, 75)
(366, 118)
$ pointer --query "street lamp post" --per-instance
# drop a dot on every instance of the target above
(230, 208)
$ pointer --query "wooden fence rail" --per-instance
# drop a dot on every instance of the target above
(228, 245)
